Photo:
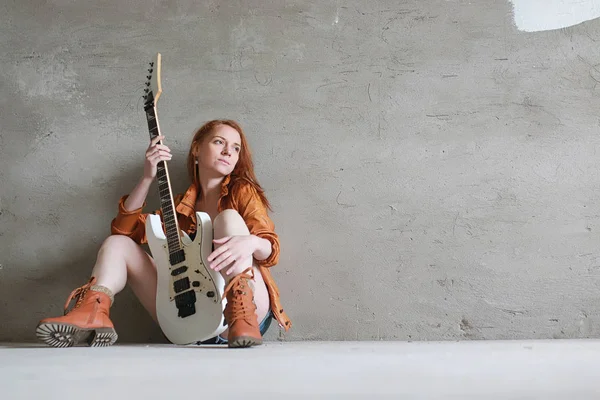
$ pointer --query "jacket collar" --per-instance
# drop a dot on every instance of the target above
(187, 204)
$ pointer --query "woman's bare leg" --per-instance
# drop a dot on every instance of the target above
(121, 261)
(230, 223)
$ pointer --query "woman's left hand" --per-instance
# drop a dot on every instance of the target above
(234, 252)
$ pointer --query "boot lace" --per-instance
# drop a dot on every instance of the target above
(237, 308)
(79, 295)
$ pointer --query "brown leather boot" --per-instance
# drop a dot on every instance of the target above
(240, 312)
(87, 320)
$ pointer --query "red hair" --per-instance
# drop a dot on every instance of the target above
(244, 169)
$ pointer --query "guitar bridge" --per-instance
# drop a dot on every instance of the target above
(185, 303)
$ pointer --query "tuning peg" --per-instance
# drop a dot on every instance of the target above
(146, 90)
(147, 83)
(150, 70)
(152, 64)
(149, 77)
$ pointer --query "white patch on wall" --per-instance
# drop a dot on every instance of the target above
(544, 15)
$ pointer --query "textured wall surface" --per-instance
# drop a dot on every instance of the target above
(433, 170)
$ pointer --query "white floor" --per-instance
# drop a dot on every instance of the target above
(487, 370)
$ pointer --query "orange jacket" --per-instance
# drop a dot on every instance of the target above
(240, 196)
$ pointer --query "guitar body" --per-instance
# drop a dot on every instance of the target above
(188, 293)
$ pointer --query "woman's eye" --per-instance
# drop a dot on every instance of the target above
(237, 149)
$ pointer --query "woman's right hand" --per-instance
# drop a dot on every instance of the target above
(155, 154)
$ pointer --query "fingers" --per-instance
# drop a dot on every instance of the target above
(222, 261)
(230, 255)
(218, 250)
(156, 139)
(158, 152)
(232, 269)
(155, 159)
(159, 147)
(222, 240)
(159, 155)
(230, 262)
(154, 154)
(155, 146)
(217, 255)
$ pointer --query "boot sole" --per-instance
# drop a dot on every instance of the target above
(244, 341)
(65, 335)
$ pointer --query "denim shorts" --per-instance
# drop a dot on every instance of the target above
(263, 327)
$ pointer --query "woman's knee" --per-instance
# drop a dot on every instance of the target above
(229, 222)
(120, 247)
(227, 216)
(117, 242)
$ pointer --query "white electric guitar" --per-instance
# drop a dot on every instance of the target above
(189, 303)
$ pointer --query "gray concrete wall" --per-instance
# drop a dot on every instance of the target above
(433, 170)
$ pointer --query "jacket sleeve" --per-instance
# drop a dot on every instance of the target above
(254, 213)
(131, 223)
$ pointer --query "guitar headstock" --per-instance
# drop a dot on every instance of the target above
(153, 87)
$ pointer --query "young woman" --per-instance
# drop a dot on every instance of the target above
(245, 245)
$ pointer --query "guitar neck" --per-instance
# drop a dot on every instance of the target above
(164, 185)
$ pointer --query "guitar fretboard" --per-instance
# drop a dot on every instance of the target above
(164, 187)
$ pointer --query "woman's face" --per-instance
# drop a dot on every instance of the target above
(220, 150)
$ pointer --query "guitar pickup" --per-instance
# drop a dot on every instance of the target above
(181, 285)
(179, 271)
